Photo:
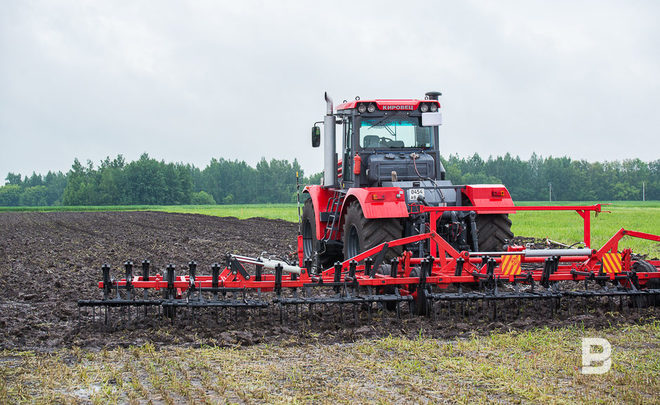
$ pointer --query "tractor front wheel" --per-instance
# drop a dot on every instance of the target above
(361, 234)
(328, 254)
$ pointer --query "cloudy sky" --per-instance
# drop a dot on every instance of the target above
(245, 80)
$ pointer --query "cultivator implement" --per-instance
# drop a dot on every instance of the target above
(446, 278)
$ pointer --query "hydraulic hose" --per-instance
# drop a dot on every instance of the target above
(414, 157)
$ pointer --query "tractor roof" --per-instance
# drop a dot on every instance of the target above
(388, 104)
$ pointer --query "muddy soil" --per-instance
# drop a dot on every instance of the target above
(50, 260)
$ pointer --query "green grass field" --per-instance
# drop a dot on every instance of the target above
(287, 212)
(565, 227)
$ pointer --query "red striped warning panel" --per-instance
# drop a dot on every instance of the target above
(511, 265)
(612, 263)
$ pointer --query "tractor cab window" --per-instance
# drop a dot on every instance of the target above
(396, 131)
(347, 165)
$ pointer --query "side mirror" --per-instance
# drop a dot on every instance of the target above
(316, 136)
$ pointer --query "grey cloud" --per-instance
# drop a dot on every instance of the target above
(242, 80)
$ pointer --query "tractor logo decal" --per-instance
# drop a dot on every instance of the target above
(398, 107)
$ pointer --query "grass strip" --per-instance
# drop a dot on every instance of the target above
(537, 365)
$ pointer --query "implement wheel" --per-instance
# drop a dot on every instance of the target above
(652, 284)
(362, 234)
(493, 231)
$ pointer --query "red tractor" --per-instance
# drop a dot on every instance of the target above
(396, 231)
(389, 168)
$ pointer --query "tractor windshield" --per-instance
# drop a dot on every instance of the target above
(397, 131)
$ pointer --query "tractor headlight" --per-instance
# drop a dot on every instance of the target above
(434, 107)
(371, 108)
(424, 107)
(362, 107)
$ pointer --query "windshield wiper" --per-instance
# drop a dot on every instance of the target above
(387, 127)
(379, 121)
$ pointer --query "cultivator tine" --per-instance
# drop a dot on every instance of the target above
(337, 277)
(145, 277)
(369, 270)
(107, 282)
(128, 266)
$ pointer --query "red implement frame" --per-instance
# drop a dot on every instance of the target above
(583, 210)
(447, 266)
(443, 273)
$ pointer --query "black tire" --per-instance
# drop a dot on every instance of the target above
(327, 255)
(385, 269)
(652, 284)
(362, 234)
(493, 231)
(308, 228)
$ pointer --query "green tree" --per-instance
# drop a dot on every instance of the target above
(14, 179)
(145, 181)
(34, 196)
(202, 198)
(10, 195)
(75, 190)
(55, 184)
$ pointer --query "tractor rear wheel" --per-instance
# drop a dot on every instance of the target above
(493, 231)
(361, 234)
(327, 254)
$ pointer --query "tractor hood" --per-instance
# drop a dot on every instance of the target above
(382, 165)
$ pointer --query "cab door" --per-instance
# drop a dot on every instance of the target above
(347, 159)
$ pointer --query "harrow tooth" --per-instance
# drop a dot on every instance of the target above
(128, 266)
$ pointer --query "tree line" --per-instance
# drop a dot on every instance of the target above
(570, 180)
(149, 181)
(153, 182)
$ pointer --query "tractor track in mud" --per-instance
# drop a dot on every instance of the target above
(50, 260)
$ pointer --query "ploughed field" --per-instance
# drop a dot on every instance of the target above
(49, 260)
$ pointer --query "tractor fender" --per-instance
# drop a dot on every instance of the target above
(489, 195)
(319, 196)
(378, 202)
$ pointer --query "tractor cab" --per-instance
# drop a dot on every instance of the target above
(386, 141)
(388, 169)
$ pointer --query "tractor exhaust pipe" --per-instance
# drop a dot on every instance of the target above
(329, 145)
